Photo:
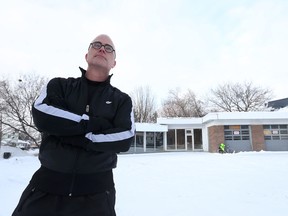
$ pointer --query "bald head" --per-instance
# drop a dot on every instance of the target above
(100, 58)
(105, 39)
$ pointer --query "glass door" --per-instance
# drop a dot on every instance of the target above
(197, 144)
(193, 139)
(189, 139)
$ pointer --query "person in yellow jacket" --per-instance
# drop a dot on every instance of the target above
(222, 148)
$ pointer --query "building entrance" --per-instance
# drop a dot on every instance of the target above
(184, 139)
(194, 139)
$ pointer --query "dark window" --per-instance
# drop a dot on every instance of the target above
(245, 137)
(227, 133)
(267, 137)
(275, 132)
(276, 137)
(237, 137)
(246, 132)
(236, 132)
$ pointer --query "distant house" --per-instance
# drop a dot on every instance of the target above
(240, 131)
(278, 104)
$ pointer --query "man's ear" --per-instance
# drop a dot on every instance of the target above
(114, 64)
(86, 56)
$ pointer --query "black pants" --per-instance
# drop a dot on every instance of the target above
(34, 202)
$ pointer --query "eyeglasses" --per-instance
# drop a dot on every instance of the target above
(97, 45)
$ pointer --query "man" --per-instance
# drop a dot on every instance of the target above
(84, 122)
(222, 148)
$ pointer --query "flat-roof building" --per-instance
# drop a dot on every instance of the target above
(239, 131)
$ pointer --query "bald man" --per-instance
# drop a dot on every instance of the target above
(84, 123)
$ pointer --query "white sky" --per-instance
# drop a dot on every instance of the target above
(159, 43)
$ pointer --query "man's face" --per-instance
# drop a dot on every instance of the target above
(100, 57)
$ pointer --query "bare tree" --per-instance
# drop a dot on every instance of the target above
(239, 97)
(144, 105)
(16, 105)
(1, 128)
(186, 105)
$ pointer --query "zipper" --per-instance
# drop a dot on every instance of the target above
(74, 174)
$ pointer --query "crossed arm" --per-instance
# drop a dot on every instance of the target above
(51, 116)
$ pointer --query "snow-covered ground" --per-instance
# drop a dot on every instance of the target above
(178, 184)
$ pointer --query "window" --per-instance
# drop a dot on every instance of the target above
(275, 132)
(171, 139)
(236, 132)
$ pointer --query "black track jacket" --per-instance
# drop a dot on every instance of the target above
(82, 135)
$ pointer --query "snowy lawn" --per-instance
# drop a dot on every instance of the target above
(179, 184)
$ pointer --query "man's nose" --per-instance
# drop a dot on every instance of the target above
(102, 49)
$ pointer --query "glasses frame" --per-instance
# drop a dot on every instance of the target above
(106, 46)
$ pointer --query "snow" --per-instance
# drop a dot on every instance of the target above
(246, 115)
(178, 183)
(150, 127)
(284, 109)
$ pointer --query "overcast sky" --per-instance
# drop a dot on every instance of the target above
(159, 43)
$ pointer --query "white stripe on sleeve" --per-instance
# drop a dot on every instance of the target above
(114, 136)
(51, 110)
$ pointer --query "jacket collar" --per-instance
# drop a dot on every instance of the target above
(83, 71)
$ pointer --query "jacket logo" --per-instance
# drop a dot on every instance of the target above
(108, 102)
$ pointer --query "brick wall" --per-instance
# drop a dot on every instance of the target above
(216, 136)
(257, 136)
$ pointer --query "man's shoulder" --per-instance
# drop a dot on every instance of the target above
(119, 92)
(63, 81)
(121, 96)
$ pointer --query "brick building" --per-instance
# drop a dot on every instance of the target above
(241, 131)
